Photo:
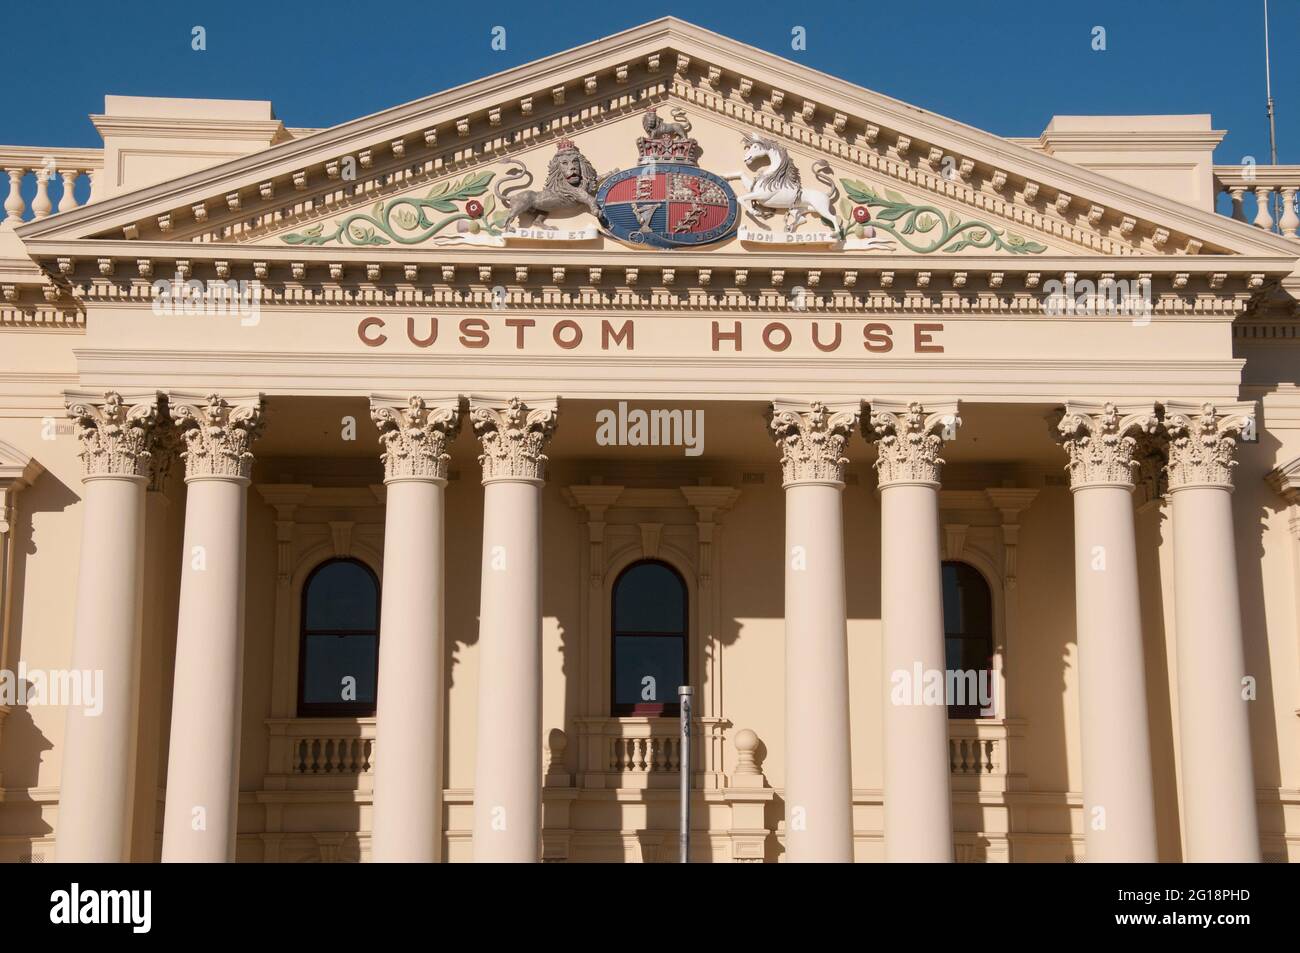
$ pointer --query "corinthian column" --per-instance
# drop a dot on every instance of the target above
(96, 787)
(819, 784)
(201, 814)
(1214, 693)
(408, 771)
(1118, 798)
(918, 805)
(508, 772)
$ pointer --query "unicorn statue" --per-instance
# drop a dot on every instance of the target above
(779, 187)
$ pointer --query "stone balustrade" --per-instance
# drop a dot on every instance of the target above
(979, 753)
(56, 173)
(1273, 189)
(327, 752)
(642, 752)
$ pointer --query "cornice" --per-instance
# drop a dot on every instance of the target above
(1144, 140)
(704, 60)
(272, 130)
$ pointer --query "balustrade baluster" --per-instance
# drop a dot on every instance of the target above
(1238, 193)
(41, 204)
(68, 200)
(1263, 219)
(15, 204)
(1290, 222)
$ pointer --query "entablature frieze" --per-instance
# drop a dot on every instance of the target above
(585, 280)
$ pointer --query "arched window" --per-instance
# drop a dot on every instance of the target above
(649, 614)
(338, 651)
(968, 639)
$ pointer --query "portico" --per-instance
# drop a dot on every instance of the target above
(406, 562)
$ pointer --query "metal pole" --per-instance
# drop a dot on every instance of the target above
(1272, 130)
(684, 693)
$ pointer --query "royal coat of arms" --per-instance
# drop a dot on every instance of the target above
(667, 200)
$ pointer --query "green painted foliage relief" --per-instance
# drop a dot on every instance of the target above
(406, 220)
(901, 218)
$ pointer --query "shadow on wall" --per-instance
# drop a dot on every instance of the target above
(1254, 504)
(22, 743)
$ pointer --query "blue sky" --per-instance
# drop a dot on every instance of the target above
(1006, 68)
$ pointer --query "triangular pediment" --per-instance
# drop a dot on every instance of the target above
(928, 185)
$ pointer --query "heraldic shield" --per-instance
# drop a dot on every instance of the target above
(667, 201)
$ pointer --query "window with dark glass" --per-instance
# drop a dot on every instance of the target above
(649, 615)
(338, 652)
(968, 637)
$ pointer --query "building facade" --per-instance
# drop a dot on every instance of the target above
(370, 491)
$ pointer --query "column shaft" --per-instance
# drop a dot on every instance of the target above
(407, 824)
(408, 770)
(1220, 821)
(96, 787)
(1219, 813)
(201, 813)
(1103, 442)
(508, 772)
(1118, 798)
(918, 801)
(819, 786)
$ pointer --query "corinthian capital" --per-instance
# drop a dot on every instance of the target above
(117, 433)
(415, 434)
(217, 433)
(811, 438)
(1103, 442)
(513, 435)
(909, 438)
(1202, 442)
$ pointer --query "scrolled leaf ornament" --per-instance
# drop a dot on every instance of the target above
(405, 220)
(1202, 446)
(415, 437)
(1103, 444)
(909, 440)
(514, 436)
(218, 436)
(901, 218)
(812, 442)
(116, 436)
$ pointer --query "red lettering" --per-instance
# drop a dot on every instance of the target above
(923, 343)
(519, 324)
(877, 339)
(826, 347)
(422, 342)
(608, 335)
(474, 332)
(365, 325)
(573, 342)
(734, 335)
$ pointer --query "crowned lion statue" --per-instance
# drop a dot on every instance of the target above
(571, 183)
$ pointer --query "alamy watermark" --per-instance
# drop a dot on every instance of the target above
(651, 428)
(944, 687)
(1109, 296)
(242, 299)
(29, 687)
